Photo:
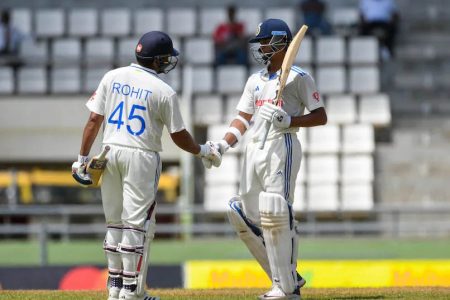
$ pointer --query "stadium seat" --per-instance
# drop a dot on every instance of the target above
(34, 52)
(217, 196)
(208, 110)
(91, 78)
(250, 17)
(324, 139)
(299, 204)
(331, 80)
(83, 22)
(341, 109)
(231, 103)
(21, 19)
(322, 197)
(357, 197)
(99, 52)
(210, 18)
(228, 173)
(66, 52)
(126, 51)
(115, 22)
(302, 135)
(358, 138)
(50, 23)
(345, 19)
(305, 53)
(202, 79)
(146, 20)
(364, 80)
(286, 14)
(322, 169)
(231, 79)
(199, 51)
(330, 50)
(32, 80)
(181, 22)
(375, 110)
(6, 80)
(363, 50)
(357, 169)
(65, 80)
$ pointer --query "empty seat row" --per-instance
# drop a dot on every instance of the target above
(177, 21)
(314, 197)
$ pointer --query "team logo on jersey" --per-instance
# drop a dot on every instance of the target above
(257, 88)
(316, 96)
(258, 29)
(139, 48)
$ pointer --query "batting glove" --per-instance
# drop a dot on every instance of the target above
(275, 115)
(210, 152)
(79, 171)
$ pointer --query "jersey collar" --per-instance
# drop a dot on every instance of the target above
(148, 70)
(267, 76)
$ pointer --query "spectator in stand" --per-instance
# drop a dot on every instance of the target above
(10, 37)
(314, 17)
(380, 18)
(229, 41)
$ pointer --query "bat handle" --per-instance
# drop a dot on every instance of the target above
(104, 152)
(264, 137)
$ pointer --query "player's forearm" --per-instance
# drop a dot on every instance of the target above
(90, 133)
(184, 140)
(316, 118)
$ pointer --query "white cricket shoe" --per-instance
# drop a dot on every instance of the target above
(277, 293)
(124, 295)
(113, 293)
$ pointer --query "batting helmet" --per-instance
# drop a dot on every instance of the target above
(156, 45)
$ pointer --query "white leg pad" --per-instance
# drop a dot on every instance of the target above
(110, 245)
(278, 228)
(249, 233)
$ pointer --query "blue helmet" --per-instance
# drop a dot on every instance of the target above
(275, 33)
(157, 45)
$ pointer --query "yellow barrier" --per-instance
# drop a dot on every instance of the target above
(26, 179)
(322, 274)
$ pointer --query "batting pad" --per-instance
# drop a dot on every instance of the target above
(250, 234)
(110, 245)
(278, 231)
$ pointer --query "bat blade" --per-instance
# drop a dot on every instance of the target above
(97, 165)
(288, 60)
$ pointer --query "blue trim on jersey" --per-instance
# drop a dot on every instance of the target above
(298, 70)
(144, 69)
(252, 227)
(288, 165)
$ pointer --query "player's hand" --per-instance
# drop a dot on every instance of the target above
(79, 171)
(210, 152)
(222, 146)
(275, 115)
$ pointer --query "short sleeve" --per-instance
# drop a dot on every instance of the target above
(97, 101)
(308, 92)
(246, 103)
(170, 114)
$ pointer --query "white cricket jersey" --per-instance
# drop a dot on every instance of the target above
(300, 92)
(136, 105)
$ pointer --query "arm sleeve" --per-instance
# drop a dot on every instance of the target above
(308, 93)
(170, 114)
(246, 103)
(97, 101)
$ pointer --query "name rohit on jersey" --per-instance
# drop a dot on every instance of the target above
(131, 91)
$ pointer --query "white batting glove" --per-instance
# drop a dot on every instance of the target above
(79, 171)
(275, 115)
(222, 146)
(210, 152)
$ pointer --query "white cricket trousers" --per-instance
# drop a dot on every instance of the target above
(129, 185)
(273, 169)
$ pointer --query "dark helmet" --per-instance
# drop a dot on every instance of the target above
(279, 34)
(157, 45)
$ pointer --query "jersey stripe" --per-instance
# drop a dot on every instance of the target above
(288, 165)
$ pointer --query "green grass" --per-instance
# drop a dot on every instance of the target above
(243, 294)
(173, 252)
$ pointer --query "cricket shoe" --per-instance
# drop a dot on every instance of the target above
(113, 293)
(132, 296)
(276, 293)
(301, 281)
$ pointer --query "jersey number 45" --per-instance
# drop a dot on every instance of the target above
(116, 117)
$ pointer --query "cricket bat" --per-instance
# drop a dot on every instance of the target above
(288, 60)
(97, 165)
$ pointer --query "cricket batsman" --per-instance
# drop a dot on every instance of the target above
(134, 105)
(262, 214)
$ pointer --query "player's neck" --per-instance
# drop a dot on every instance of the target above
(274, 66)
